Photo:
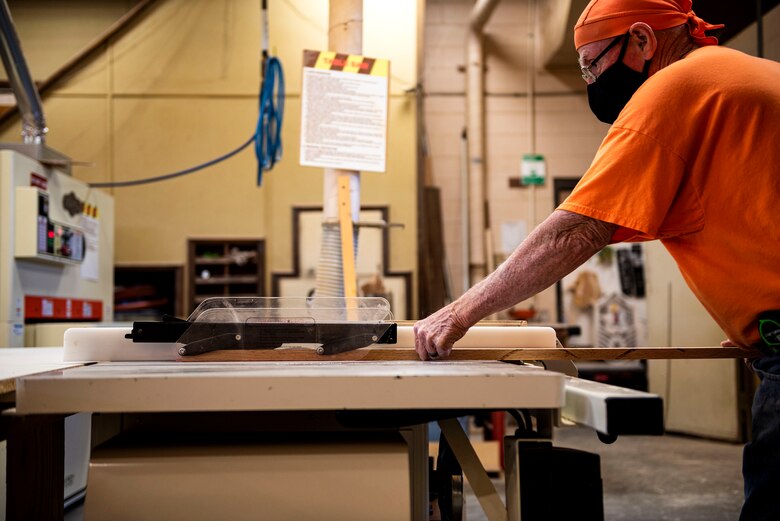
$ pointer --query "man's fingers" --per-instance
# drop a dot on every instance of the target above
(442, 352)
(432, 340)
(420, 343)
(427, 349)
(430, 350)
(437, 352)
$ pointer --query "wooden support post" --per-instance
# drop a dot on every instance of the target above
(341, 188)
(347, 236)
(35, 467)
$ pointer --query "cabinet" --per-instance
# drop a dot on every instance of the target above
(708, 398)
(225, 267)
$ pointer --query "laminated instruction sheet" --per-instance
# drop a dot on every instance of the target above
(344, 111)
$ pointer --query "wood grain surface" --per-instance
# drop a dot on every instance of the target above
(374, 354)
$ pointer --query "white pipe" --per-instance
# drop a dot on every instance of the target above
(345, 35)
(481, 13)
(531, 71)
(464, 209)
(479, 258)
(532, 109)
(474, 120)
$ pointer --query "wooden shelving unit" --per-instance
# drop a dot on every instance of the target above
(225, 267)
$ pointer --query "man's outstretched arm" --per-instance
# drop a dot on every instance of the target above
(557, 246)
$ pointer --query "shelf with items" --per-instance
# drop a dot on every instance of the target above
(225, 267)
(237, 257)
(228, 279)
(147, 292)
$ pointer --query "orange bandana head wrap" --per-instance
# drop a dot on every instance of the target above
(603, 19)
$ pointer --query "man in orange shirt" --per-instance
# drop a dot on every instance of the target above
(692, 160)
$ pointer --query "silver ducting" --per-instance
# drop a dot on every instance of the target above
(27, 98)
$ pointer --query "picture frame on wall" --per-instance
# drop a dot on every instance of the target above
(371, 265)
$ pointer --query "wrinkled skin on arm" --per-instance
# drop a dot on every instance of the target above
(561, 243)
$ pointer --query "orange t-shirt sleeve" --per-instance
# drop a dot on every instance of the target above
(634, 182)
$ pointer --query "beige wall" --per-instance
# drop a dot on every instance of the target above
(746, 41)
(181, 87)
(52, 31)
(566, 132)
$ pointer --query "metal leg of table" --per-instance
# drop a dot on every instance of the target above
(469, 461)
(35, 467)
(480, 482)
(536, 470)
(543, 434)
(417, 439)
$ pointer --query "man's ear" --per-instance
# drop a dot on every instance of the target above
(645, 35)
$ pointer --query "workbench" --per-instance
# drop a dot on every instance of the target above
(29, 459)
(364, 397)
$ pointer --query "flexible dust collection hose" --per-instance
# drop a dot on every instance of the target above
(330, 272)
(330, 275)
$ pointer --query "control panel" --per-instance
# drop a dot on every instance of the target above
(38, 236)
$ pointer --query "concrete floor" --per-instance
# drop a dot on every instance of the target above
(657, 478)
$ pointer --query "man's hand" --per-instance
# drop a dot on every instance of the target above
(435, 335)
(557, 246)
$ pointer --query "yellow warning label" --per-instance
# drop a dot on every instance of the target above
(334, 61)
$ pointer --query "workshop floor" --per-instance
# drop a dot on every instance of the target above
(664, 478)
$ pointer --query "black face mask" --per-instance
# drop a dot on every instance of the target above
(614, 87)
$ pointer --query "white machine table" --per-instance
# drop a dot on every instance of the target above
(289, 386)
(220, 392)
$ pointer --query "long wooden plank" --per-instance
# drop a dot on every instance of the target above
(466, 354)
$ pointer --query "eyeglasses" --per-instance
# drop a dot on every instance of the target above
(587, 74)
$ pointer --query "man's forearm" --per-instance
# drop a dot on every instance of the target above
(562, 242)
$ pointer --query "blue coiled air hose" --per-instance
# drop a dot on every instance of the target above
(268, 137)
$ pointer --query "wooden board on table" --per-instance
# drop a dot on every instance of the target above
(375, 354)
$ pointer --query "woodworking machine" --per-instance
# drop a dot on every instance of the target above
(327, 333)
